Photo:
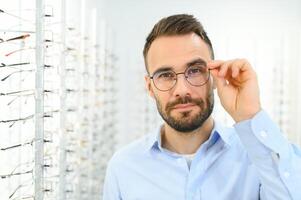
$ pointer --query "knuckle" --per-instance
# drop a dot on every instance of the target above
(244, 60)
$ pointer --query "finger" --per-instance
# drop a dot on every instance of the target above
(219, 81)
(235, 71)
(235, 67)
(224, 68)
(245, 65)
(232, 73)
(239, 67)
(237, 75)
(214, 64)
(233, 81)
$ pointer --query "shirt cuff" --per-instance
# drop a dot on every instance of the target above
(268, 136)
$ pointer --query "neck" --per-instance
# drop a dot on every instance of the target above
(188, 142)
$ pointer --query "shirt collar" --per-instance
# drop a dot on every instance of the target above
(154, 140)
(225, 133)
(218, 132)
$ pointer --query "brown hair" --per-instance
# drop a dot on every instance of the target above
(180, 24)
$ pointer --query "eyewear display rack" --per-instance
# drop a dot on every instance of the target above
(58, 100)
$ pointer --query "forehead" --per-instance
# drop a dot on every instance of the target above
(176, 51)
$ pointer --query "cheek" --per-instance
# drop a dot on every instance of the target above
(162, 99)
(203, 93)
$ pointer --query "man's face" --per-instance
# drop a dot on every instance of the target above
(185, 107)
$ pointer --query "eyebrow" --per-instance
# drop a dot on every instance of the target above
(162, 69)
(197, 61)
(193, 62)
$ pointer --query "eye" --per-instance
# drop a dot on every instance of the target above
(196, 70)
(165, 75)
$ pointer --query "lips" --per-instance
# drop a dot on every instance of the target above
(183, 106)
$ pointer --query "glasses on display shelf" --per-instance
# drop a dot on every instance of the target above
(19, 50)
(12, 66)
(3, 65)
(16, 72)
(27, 71)
(19, 187)
(69, 90)
(20, 96)
(21, 119)
(12, 40)
(48, 42)
(29, 196)
(23, 144)
(110, 89)
(70, 110)
(46, 46)
(47, 188)
(22, 37)
(70, 70)
(24, 94)
(22, 168)
(69, 188)
(16, 174)
(48, 10)
(16, 92)
(24, 119)
(14, 16)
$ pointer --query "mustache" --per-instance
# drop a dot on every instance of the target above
(184, 100)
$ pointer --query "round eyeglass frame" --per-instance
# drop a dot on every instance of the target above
(152, 77)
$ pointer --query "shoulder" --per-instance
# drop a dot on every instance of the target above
(133, 151)
(230, 138)
(228, 135)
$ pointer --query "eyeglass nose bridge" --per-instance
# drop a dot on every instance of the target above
(186, 78)
(176, 79)
(181, 73)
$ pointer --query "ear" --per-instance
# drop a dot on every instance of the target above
(148, 86)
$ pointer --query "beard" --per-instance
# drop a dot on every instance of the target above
(187, 122)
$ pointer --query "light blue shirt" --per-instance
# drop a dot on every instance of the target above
(249, 161)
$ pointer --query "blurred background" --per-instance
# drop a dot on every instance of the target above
(72, 82)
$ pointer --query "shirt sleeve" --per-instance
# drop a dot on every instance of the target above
(111, 187)
(277, 161)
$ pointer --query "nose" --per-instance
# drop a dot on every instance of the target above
(182, 87)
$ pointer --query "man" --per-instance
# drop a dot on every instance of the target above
(191, 156)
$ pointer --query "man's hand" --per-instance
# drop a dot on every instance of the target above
(237, 87)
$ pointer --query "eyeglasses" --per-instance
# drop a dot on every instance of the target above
(24, 119)
(2, 65)
(47, 9)
(22, 37)
(22, 144)
(16, 72)
(19, 188)
(196, 75)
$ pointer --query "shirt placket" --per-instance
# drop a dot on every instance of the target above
(197, 174)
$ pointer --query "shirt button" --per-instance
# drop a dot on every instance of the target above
(275, 156)
(263, 134)
(286, 174)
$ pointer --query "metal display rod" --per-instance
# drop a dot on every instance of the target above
(39, 103)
